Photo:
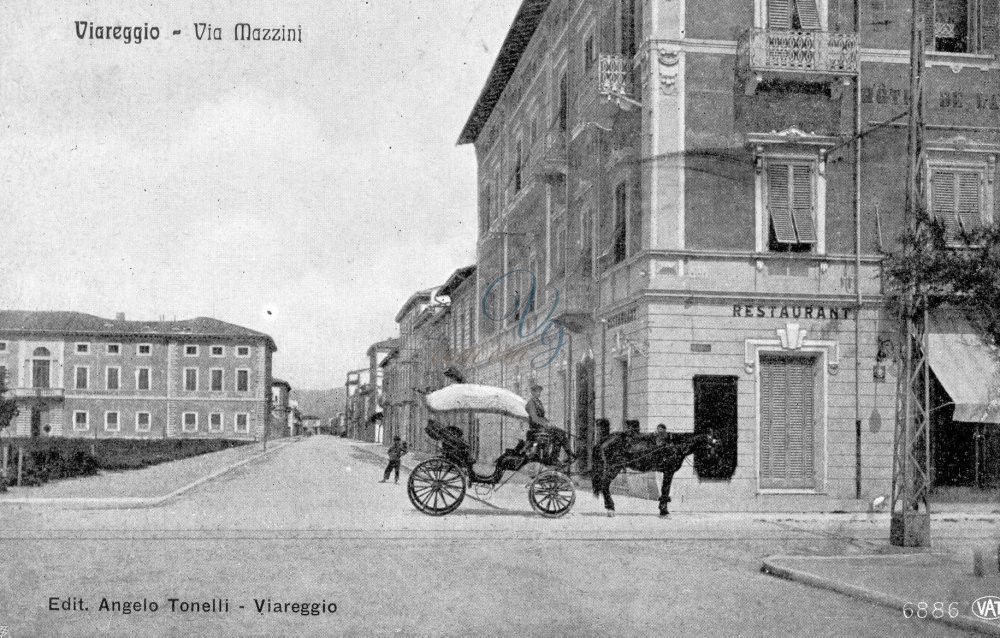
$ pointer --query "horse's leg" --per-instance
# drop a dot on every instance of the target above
(668, 477)
(609, 503)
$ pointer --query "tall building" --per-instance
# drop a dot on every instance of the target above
(681, 184)
(77, 375)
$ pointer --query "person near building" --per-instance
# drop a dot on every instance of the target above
(396, 452)
(536, 419)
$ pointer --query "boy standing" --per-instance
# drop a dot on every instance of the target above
(396, 452)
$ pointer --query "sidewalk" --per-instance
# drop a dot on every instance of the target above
(139, 488)
(900, 581)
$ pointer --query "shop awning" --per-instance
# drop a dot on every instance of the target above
(966, 366)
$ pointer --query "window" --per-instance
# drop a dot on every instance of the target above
(790, 206)
(3, 377)
(190, 351)
(957, 200)
(242, 380)
(3, 346)
(111, 423)
(242, 351)
(142, 421)
(533, 128)
(113, 348)
(190, 422)
(242, 423)
(113, 378)
(83, 348)
(715, 411)
(81, 420)
(82, 378)
(795, 15)
(952, 27)
(531, 279)
(628, 18)
(144, 350)
(562, 101)
(589, 52)
(142, 379)
(487, 207)
(215, 422)
(191, 379)
(218, 351)
(620, 245)
(215, 380)
(518, 158)
(41, 368)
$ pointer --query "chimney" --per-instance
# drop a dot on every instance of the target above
(120, 316)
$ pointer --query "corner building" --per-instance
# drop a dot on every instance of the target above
(684, 174)
(78, 375)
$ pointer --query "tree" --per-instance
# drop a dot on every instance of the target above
(8, 407)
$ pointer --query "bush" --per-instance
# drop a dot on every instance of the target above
(47, 459)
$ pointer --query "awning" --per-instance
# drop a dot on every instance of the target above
(966, 366)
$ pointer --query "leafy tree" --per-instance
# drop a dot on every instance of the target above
(963, 272)
(8, 407)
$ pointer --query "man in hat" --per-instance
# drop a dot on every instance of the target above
(396, 452)
(536, 418)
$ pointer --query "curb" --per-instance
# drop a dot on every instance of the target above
(862, 593)
(127, 502)
(409, 468)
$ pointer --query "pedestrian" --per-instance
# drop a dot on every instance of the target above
(396, 452)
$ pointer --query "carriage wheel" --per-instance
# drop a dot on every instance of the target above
(552, 494)
(436, 487)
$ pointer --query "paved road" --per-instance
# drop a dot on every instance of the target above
(311, 524)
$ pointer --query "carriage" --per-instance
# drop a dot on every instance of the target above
(438, 485)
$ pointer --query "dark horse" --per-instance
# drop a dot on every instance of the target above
(644, 453)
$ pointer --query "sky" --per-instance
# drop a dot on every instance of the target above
(304, 190)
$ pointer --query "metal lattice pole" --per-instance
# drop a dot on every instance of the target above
(910, 525)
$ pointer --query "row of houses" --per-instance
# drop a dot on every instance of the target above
(79, 375)
(678, 193)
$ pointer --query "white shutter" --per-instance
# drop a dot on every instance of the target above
(787, 444)
(808, 14)
(779, 14)
(779, 202)
(802, 203)
(970, 216)
(943, 185)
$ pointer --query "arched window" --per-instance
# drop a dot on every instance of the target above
(41, 352)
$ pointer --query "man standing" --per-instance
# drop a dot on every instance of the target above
(396, 452)
(536, 418)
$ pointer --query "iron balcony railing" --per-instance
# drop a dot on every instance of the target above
(614, 75)
(800, 51)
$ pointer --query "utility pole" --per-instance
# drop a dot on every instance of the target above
(910, 526)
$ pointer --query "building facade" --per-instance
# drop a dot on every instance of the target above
(680, 183)
(77, 375)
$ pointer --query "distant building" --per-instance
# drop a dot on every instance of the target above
(282, 419)
(78, 375)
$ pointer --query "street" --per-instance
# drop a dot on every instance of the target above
(311, 524)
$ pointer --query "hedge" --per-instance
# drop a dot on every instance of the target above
(47, 459)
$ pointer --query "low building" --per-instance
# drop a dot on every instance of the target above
(282, 421)
(78, 375)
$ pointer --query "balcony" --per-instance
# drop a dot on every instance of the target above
(576, 302)
(614, 75)
(37, 393)
(553, 160)
(811, 52)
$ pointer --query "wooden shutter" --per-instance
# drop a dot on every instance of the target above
(786, 422)
(802, 203)
(808, 14)
(989, 26)
(779, 202)
(779, 14)
(945, 209)
(970, 216)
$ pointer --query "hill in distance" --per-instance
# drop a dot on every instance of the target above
(324, 404)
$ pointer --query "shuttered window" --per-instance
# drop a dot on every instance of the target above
(793, 14)
(787, 398)
(956, 201)
(790, 204)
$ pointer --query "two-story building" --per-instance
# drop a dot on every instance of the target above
(687, 176)
(78, 375)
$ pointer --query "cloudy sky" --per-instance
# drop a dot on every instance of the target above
(304, 190)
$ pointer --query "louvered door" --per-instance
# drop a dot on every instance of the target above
(787, 422)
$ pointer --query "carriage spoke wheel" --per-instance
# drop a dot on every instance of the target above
(552, 494)
(436, 487)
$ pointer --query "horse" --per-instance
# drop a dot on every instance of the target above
(644, 453)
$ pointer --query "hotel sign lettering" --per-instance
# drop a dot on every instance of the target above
(883, 94)
(753, 311)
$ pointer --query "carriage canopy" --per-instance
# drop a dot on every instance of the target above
(471, 397)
